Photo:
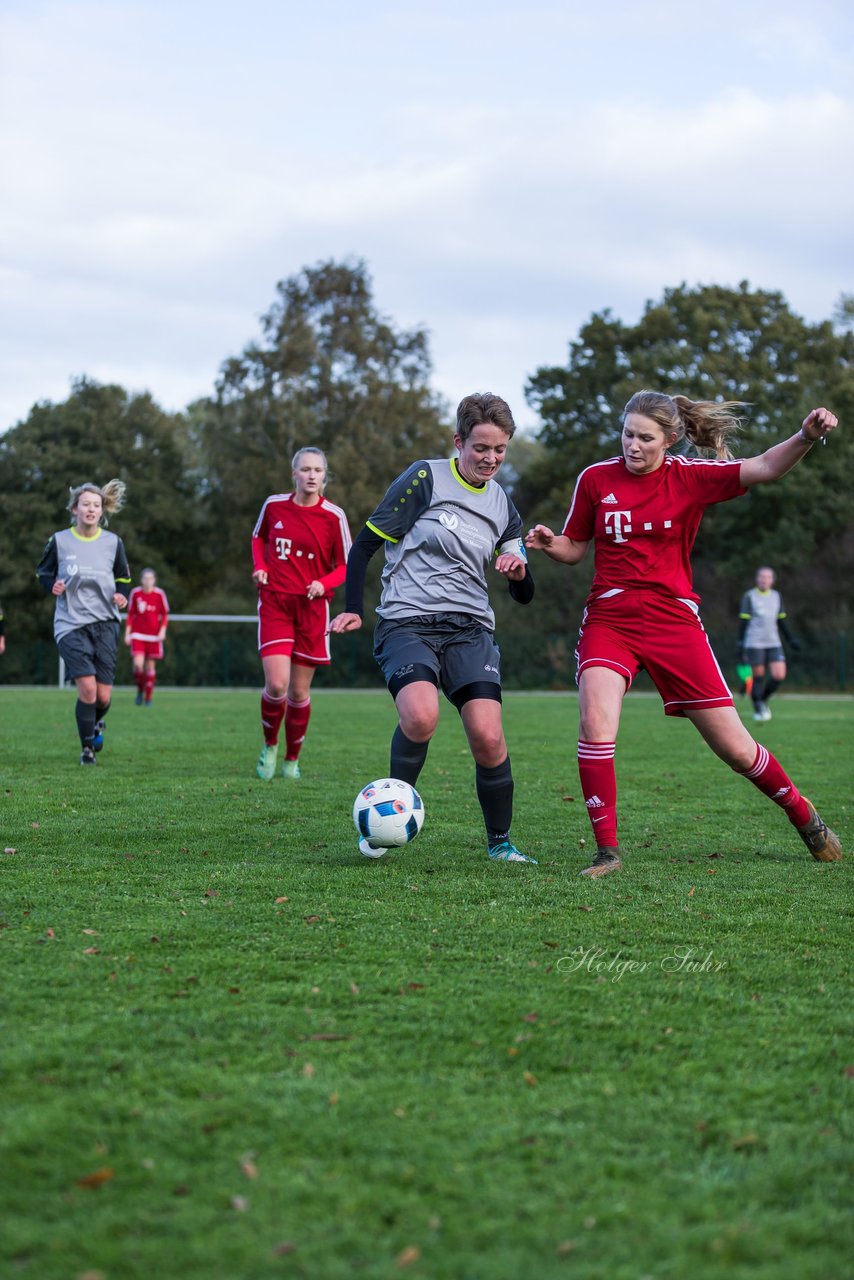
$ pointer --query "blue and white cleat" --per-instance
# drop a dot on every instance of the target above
(98, 740)
(290, 769)
(372, 850)
(505, 851)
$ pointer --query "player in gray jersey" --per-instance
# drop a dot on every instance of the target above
(443, 523)
(762, 623)
(85, 568)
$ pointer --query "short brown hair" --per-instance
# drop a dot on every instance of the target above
(483, 406)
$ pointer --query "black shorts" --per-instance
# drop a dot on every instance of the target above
(90, 651)
(457, 649)
(760, 657)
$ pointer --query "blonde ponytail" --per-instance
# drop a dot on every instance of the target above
(112, 496)
(707, 423)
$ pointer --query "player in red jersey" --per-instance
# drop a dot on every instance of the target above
(145, 631)
(641, 511)
(299, 556)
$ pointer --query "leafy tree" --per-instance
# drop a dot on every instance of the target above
(711, 342)
(329, 370)
(97, 433)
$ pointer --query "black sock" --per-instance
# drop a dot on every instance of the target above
(85, 713)
(757, 693)
(407, 757)
(771, 686)
(101, 709)
(495, 793)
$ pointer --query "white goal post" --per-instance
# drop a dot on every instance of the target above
(180, 617)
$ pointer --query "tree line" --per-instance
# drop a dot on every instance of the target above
(328, 368)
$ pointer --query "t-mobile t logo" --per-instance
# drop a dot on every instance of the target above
(618, 523)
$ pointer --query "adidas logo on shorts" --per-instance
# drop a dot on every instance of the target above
(611, 500)
(595, 803)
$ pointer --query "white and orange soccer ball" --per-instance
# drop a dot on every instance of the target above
(388, 814)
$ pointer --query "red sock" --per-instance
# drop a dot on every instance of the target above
(297, 717)
(772, 780)
(139, 678)
(272, 714)
(599, 786)
(150, 678)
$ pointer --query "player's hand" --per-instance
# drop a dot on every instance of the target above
(511, 566)
(58, 588)
(345, 622)
(127, 639)
(819, 423)
(315, 590)
(119, 600)
(540, 538)
(259, 577)
(2, 644)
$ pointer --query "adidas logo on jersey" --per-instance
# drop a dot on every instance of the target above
(611, 500)
(595, 803)
(278, 525)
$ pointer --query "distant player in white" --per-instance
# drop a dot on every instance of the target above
(762, 623)
(86, 570)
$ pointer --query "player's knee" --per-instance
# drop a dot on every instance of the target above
(740, 758)
(276, 688)
(419, 723)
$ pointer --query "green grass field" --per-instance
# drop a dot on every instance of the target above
(235, 1048)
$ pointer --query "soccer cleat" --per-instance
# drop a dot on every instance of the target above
(290, 769)
(87, 756)
(762, 711)
(365, 847)
(505, 851)
(823, 844)
(266, 766)
(138, 699)
(606, 861)
(98, 740)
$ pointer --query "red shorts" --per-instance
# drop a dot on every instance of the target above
(149, 648)
(630, 631)
(295, 626)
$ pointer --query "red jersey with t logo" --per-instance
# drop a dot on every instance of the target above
(297, 545)
(643, 527)
(148, 611)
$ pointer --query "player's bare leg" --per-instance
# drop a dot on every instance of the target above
(723, 730)
(600, 701)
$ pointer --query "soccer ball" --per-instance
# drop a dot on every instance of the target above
(388, 813)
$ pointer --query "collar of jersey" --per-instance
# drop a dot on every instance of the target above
(80, 538)
(472, 488)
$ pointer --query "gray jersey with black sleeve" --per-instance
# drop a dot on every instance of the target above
(93, 570)
(441, 535)
(761, 610)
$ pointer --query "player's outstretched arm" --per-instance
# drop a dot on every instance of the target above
(556, 545)
(780, 458)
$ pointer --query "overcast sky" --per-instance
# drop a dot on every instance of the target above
(505, 169)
